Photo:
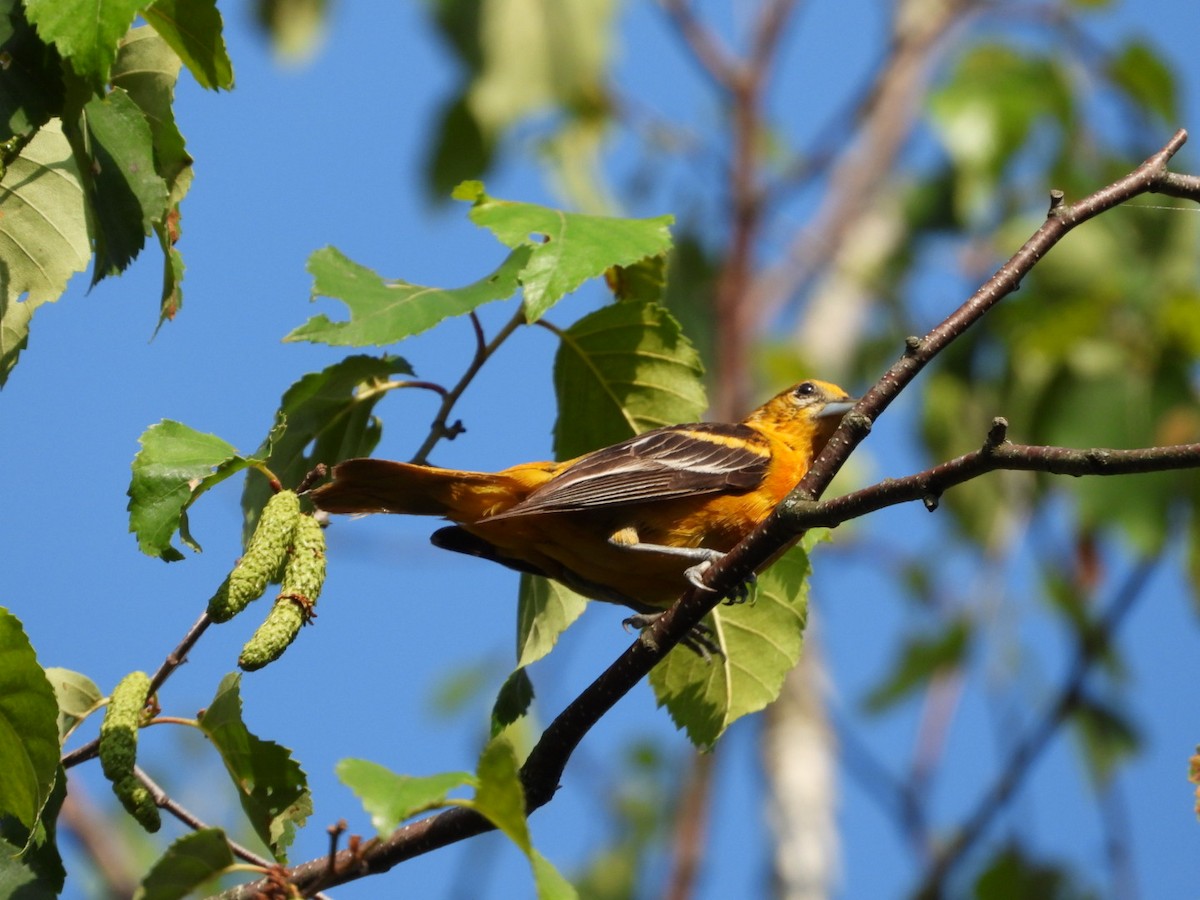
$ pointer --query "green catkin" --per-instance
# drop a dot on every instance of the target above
(118, 748)
(303, 577)
(267, 548)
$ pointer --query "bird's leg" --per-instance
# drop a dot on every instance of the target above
(627, 538)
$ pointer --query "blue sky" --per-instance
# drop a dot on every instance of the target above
(293, 160)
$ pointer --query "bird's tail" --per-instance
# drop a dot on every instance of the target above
(381, 485)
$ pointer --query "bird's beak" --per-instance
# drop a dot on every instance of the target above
(836, 409)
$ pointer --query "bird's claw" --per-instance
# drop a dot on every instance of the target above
(699, 640)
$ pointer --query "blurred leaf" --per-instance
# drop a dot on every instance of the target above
(573, 157)
(296, 27)
(271, 786)
(127, 196)
(986, 110)
(622, 370)
(1011, 875)
(330, 417)
(512, 702)
(28, 727)
(1147, 78)
(76, 695)
(1194, 777)
(761, 641)
(545, 609)
(572, 247)
(1106, 736)
(189, 863)
(31, 82)
(692, 273)
(175, 466)
(385, 311)
(644, 281)
(460, 150)
(30, 865)
(193, 29)
(390, 798)
(44, 236)
(921, 660)
(85, 32)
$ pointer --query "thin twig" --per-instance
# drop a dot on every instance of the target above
(483, 351)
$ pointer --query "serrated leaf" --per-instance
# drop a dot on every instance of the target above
(761, 640)
(390, 798)
(271, 786)
(31, 82)
(193, 29)
(566, 248)
(189, 863)
(545, 609)
(76, 695)
(920, 660)
(622, 370)
(384, 311)
(44, 237)
(330, 417)
(512, 701)
(500, 798)
(85, 32)
(29, 745)
(175, 465)
(127, 195)
(147, 69)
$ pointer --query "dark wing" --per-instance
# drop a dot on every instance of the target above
(679, 461)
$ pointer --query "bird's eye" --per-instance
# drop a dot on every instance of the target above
(805, 389)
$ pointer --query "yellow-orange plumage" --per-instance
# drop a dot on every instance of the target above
(624, 523)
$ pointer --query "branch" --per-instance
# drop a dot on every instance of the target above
(544, 767)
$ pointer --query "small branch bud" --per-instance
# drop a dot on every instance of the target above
(1056, 200)
(997, 434)
(931, 501)
(912, 345)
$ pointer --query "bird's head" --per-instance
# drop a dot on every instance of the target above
(811, 410)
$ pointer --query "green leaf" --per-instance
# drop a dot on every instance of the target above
(330, 417)
(761, 640)
(545, 609)
(193, 29)
(29, 745)
(31, 82)
(390, 798)
(44, 237)
(1145, 76)
(384, 311)
(460, 150)
(30, 865)
(295, 27)
(513, 700)
(85, 32)
(188, 864)
(147, 70)
(500, 798)
(127, 194)
(175, 465)
(569, 249)
(77, 696)
(621, 370)
(921, 660)
(271, 786)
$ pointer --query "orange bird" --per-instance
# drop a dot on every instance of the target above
(633, 523)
